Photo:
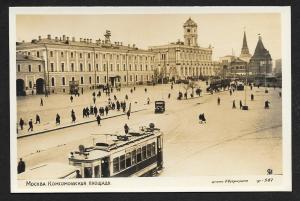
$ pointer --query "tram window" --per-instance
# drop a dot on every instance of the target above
(139, 155)
(128, 160)
(144, 156)
(88, 172)
(97, 171)
(122, 162)
(133, 157)
(153, 149)
(116, 165)
(148, 150)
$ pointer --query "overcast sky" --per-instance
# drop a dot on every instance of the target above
(223, 31)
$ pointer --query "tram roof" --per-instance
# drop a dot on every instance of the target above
(96, 152)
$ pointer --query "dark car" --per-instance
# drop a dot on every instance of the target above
(159, 107)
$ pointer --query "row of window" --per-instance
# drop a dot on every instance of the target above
(104, 56)
(81, 67)
(131, 78)
(131, 158)
(29, 67)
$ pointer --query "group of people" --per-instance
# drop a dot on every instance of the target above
(30, 122)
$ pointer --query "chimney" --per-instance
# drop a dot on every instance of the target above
(49, 37)
(64, 37)
(40, 38)
(73, 39)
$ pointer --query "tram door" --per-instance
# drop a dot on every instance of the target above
(160, 152)
(105, 167)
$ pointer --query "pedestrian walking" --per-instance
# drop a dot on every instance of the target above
(267, 104)
(99, 120)
(71, 99)
(37, 119)
(94, 99)
(145, 90)
(131, 90)
(169, 95)
(148, 100)
(219, 101)
(57, 119)
(30, 125)
(241, 104)
(113, 105)
(42, 102)
(21, 123)
(252, 97)
(171, 86)
(279, 94)
(126, 129)
(118, 105)
(21, 166)
(126, 97)
(115, 97)
(106, 110)
(233, 104)
(73, 117)
(95, 111)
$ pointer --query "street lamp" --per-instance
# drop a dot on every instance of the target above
(127, 67)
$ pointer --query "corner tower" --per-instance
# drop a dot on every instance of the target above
(190, 33)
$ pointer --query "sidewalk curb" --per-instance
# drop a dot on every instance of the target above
(77, 124)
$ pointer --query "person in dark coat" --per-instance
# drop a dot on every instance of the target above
(241, 104)
(99, 120)
(145, 90)
(42, 102)
(95, 111)
(21, 123)
(126, 97)
(57, 119)
(71, 99)
(252, 97)
(37, 119)
(233, 104)
(30, 125)
(106, 110)
(113, 105)
(94, 99)
(73, 117)
(169, 96)
(21, 166)
(83, 113)
(126, 129)
(128, 114)
(91, 110)
(118, 105)
(131, 90)
(267, 106)
(219, 101)
(78, 175)
(87, 112)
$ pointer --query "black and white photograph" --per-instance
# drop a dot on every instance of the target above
(134, 99)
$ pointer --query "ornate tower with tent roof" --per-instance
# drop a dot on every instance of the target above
(261, 61)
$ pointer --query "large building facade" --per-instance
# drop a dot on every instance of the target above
(182, 60)
(91, 64)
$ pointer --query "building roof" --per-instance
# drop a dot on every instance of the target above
(260, 51)
(238, 60)
(22, 57)
(189, 23)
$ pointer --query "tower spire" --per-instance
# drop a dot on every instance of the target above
(245, 54)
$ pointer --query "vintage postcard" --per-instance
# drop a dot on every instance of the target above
(136, 99)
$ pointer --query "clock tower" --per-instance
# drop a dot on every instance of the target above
(190, 33)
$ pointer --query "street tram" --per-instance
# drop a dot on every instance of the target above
(134, 154)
